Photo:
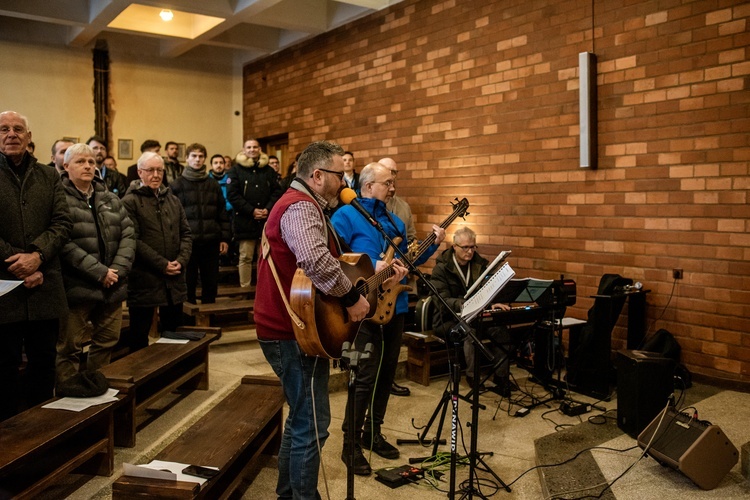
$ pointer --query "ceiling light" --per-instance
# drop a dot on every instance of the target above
(166, 15)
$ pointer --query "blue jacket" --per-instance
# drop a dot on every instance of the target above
(362, 237)
(223, 183)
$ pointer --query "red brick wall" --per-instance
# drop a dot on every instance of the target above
(480, 99)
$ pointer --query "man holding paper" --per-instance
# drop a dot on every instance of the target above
(455, 271)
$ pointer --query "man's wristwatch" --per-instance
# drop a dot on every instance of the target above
(41, 256)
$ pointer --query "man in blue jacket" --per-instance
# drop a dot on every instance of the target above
(377, 187)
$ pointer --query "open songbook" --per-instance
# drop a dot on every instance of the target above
(498, 260)
(477, 302)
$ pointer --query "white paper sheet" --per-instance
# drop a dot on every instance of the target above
(164, 340)
(80, 404)
(173, 469)
(8, 285)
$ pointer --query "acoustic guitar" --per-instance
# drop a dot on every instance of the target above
(326, 322)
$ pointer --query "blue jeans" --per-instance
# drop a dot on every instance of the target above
(299, 459)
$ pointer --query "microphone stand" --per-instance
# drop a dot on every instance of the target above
(354, 357)
(457, 334)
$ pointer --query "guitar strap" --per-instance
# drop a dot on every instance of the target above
(266, 252)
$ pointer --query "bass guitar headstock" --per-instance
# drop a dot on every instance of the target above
(460, 208)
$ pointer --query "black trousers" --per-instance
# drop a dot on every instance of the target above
(204, 261)
(367, 388)
(38, 339)
(170, 317)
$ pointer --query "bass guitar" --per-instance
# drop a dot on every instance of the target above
(387, 295)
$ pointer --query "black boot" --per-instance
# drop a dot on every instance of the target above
(360, 465)
(377, 443)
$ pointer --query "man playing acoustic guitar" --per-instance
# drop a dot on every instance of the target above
(377, 187)
(298, 234)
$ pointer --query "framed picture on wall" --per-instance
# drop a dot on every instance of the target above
(181, 151)
(74, 140)
(125, 149)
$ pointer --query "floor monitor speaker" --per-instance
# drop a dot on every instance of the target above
(645, 381)
(700, 451)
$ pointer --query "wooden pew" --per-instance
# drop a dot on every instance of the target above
(231, 291)
(233, 436)
(40, 445)
(153, 372)
(426, 356)
(204, 312)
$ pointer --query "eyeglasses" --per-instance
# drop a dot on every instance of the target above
(340, 175)
(466, 248)
(152, 171)
(387, 183)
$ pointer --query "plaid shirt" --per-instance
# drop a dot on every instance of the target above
(305, 233)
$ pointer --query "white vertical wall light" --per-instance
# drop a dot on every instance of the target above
(587, 109)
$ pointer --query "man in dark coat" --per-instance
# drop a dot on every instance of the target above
(95, 265)
(163, 245)
(206, 213)
(252, 188)
(113, 179)
(36, 224)
(455, 271)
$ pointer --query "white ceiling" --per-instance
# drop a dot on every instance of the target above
(251, 29)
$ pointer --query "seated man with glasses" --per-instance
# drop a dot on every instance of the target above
(455, 271)
(163, 248)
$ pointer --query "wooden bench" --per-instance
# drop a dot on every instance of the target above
(232, 436)
(426, 357)
(41, 445)
(153, 372)
(203, 312)
(231, 291)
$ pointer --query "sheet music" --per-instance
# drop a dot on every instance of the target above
(484, 295)
(500, 257)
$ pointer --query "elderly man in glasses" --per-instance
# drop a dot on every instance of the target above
(455, 271)
(36, 224)
(164, 244)
(375, 376)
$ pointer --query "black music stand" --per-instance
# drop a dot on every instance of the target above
(476, 460)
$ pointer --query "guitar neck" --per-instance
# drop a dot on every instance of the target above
(430, 239)
(380, 277)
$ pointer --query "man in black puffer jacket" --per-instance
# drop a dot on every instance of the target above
(206, 213)
(162, 251)
(95, 265)
(252, 189)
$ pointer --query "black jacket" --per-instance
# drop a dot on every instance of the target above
(162, 234)
(251, 186)
(451, 287)
(205, 208)
(34, 217)
(115, 182)
(83, 264)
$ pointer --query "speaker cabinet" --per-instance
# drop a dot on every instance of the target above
(645, 381)
(700, 451)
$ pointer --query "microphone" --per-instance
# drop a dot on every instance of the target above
(349, 197)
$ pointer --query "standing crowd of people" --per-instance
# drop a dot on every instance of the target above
(81, 239)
